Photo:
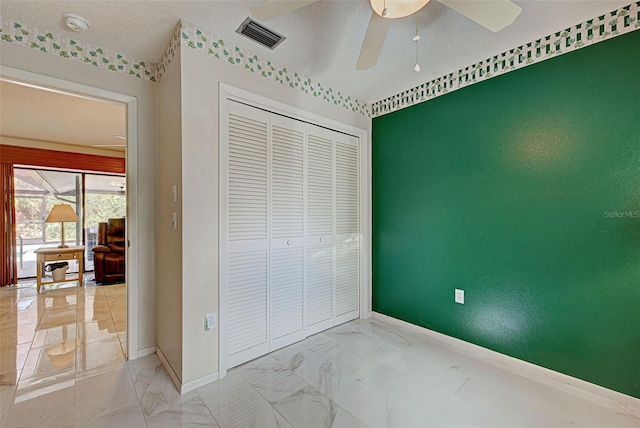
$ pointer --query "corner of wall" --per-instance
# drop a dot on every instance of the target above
(169, 305)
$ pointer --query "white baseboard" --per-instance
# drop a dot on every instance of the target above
(194, 384)
(146, 351)
(189, 386)
(172, 374)
(560, 381)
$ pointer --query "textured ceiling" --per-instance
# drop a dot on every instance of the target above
(35, 114)
(323, 39)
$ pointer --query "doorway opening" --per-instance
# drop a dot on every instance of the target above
(76, 123)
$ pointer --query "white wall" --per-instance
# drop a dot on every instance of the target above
(144, 174)
(201, 75)
(169, 240)
(178, 144)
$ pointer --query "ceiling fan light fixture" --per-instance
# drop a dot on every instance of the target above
(397, 8)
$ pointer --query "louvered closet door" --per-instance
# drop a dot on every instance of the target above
(244, 212)
(320, 214)
(287, 231)
(347, 228)
(289, 239)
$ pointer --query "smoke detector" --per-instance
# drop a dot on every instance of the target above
(75, 22)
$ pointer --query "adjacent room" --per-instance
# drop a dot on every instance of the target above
(67, 307)
(356, 213)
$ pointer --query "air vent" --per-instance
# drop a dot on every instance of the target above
(260, 34)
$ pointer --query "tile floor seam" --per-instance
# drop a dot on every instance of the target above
(348, 412)
(280, 413)
(309, 386)
(135, 391)
(328, 397)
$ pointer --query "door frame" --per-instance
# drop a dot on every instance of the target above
(228, 93)
(52, 84)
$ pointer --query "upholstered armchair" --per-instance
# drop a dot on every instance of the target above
(108, 255)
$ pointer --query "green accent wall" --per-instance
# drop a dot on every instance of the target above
(523, 190)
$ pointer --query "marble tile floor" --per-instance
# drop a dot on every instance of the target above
(55, 338)
(362, 373)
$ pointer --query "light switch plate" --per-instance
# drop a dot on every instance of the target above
(459, 296)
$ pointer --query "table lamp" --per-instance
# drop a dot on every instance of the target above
(62, 213)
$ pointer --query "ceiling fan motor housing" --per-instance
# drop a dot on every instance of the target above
(397, 8)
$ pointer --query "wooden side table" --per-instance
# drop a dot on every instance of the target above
(56, 255)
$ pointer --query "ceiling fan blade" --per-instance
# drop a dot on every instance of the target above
(272, 8)
(491, 14)
(373, 41)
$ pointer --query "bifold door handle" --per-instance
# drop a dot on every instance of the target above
(321, 239)
(288, 242)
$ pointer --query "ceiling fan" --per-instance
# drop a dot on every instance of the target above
(491, 14)
(121, 186)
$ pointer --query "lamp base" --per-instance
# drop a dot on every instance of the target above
(62, 244)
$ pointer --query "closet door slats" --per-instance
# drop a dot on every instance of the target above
(247, 178)
(319, 186)
(287, 299)
(247, 301)
(346, 188)
(289, 233)
(346, 279)
(319, 301)
(287, 182)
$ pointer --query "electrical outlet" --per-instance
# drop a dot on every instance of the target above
(209, 321)
(174, 220)
(459, 296)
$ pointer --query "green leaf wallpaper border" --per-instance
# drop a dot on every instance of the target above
(73, 49)
(216, 47)
(604, 27)
(170, 51)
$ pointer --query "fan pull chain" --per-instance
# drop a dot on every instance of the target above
(384, 8)
(416, 39)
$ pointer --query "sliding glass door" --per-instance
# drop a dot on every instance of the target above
(37, 191)
(104, 198)
(95, 198)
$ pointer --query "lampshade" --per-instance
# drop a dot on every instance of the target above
(62, 212)
(397, 8)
